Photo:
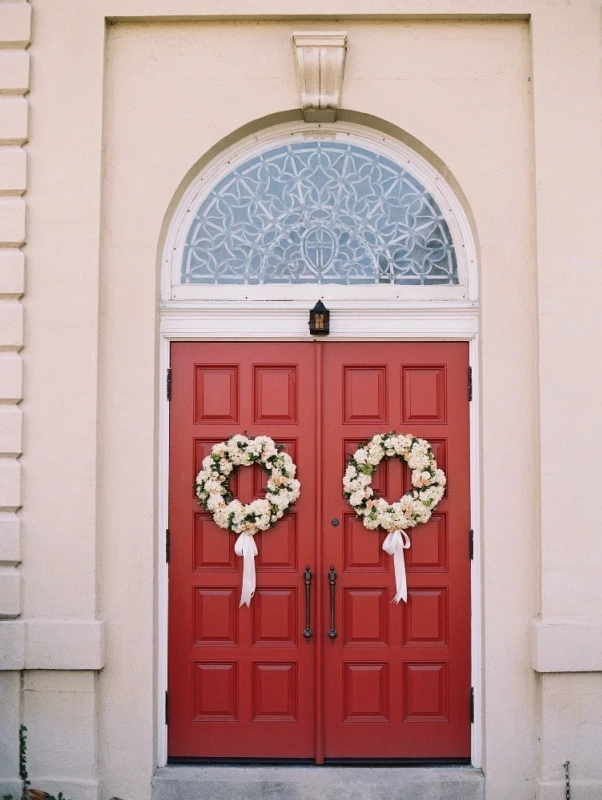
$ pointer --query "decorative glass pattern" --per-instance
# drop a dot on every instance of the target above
(319, 211)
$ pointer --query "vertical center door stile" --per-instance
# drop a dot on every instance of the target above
(319, 571)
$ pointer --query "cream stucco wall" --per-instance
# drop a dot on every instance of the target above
(120, 114)
(147, 155)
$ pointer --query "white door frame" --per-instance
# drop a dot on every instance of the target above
(288, 321)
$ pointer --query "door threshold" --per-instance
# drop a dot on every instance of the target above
(397, 762)
(199, 761)
(190, 761)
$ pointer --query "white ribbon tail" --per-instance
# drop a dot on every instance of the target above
(245, 546)
(395, 543)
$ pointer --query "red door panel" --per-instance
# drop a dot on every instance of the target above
(241, 680)
(398, 676)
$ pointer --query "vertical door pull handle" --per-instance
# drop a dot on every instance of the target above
(332, 580)
(307, 576)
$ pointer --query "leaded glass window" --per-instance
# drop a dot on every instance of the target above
(319, 211)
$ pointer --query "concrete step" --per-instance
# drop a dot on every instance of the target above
(318, 783)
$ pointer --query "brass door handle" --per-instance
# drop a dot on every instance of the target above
(332, 580)
(307, 576)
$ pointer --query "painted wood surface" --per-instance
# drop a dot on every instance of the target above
(398, 676)
(243, 682)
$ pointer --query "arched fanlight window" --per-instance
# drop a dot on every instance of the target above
(322, 212)
(338, 206)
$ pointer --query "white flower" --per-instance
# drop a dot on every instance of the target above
(360, 456)
(402, 444)
(237, 457)
(356, 498)
(214, 501)
(440, 477)
(279, 500)
(213, 486)
(418, 460)
(260, 506)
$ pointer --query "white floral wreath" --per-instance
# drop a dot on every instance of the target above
(412, 509)
(212, 487)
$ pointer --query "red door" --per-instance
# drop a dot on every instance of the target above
(243, 683)
(241, 680)
(399, 674)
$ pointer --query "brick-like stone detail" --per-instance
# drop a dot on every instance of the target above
(13, 172)
(15, 29)
(14, 114)
(14, 71)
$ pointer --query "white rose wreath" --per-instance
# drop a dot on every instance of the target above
(412, 509)
(212, 487)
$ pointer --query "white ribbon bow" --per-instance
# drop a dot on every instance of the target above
(245, 546)
(395, 543)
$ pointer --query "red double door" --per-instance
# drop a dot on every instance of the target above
(244, 682)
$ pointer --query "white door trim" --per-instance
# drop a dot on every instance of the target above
(288, 321)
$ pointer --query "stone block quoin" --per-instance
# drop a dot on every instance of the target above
(15, 29)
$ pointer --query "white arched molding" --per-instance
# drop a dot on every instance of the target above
(174, 293)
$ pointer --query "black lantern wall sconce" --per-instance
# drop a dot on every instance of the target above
(319, 320)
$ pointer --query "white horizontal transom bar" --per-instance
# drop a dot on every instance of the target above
(289, 320)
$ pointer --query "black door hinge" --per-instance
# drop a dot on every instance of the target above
(167, 544)
(469, 383)
(470, 544)
(471, 704)
(168, 388)
(167, 708)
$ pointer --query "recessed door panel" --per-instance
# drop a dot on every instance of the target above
(365, 394)
(366, 692)
(275, 393)
(216, 393)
